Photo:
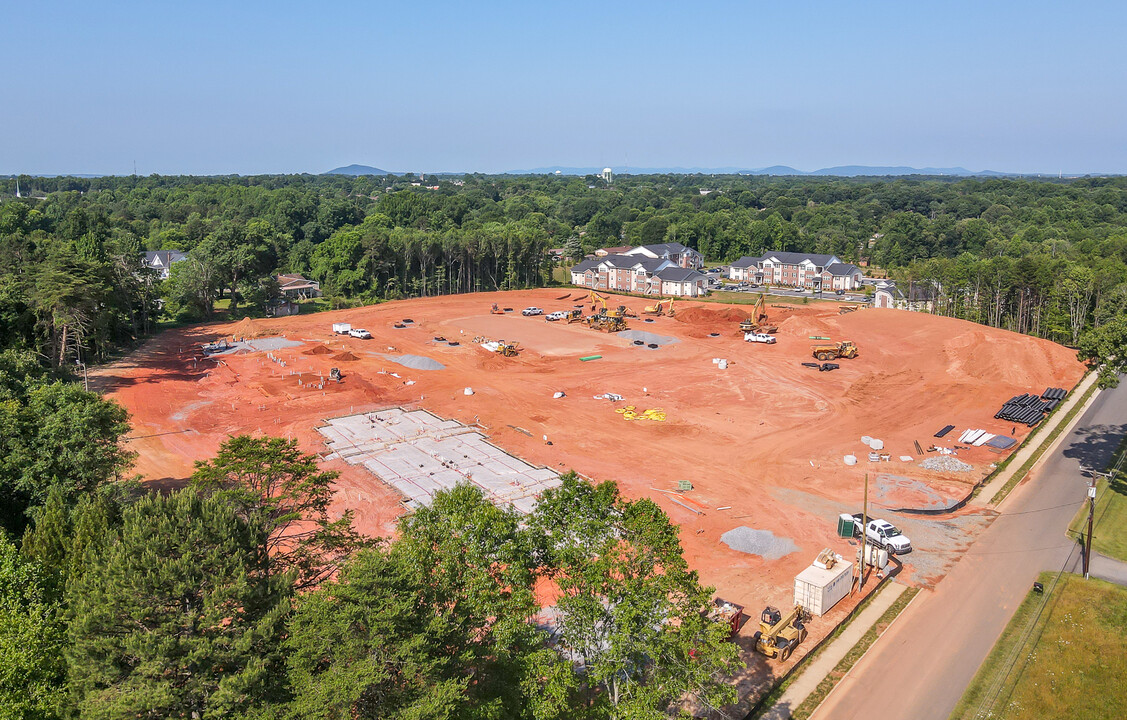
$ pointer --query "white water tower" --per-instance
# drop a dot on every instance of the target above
(607, 175)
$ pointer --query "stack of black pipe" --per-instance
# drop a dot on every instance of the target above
(1025, 408)
(1054, 396)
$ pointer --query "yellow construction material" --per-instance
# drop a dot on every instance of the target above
(630, 412)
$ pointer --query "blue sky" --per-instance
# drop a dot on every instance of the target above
(248, 87)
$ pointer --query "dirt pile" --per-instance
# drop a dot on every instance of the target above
(319, 350)
(345, 356)
(700, 315)
(251, 328)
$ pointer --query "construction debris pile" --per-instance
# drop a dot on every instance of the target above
(945, 463)
(1030, 409)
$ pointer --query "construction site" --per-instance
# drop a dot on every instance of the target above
(754, 447)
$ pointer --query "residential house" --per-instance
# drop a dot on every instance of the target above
(674, 252)
(638, 274)
(603, 252)
(161, 261)
(919, 297)
(805, 270)
(297, 287)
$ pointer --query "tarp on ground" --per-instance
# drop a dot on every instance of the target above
(1001, 442)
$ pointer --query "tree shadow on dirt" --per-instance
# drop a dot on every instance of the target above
(1095, 446)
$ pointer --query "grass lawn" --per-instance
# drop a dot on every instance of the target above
(1109, 534)
(1061, 656)
(741, 298)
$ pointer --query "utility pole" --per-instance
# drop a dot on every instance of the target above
(1091, 514)
(864, 537)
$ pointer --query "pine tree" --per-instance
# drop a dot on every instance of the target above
(176, 617)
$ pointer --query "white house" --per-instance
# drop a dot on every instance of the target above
(919, 297)
(295, 286)
(162, 260)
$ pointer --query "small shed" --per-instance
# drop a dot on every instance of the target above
(818, 589)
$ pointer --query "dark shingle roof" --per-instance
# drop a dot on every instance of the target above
(841, 269)
(746, 261)
(166, 257)
(628, 261)
(679, 274)
(585, 265)
(793, 258)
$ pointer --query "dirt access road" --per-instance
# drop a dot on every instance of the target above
(919, 669)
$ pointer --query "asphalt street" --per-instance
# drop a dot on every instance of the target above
(920, 667)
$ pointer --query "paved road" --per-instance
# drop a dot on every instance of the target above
(921, 666)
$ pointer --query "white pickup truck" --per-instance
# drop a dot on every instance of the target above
(754, 337)
(884, 534)
(360, 333)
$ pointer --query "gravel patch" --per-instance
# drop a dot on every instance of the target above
(927, 498)
(271, 343)
(416, 362)
(946, 463)
(758, 542)
(647, 338)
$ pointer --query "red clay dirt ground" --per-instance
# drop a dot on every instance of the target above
(765, 437)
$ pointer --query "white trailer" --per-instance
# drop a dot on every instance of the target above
(341, 328)
(818, 589)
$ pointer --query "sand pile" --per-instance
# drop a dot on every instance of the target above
(345, 356)
(416, 362)
(758, 542)
(319, 350)
(251, 328)
(647, 338)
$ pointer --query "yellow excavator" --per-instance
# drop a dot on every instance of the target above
(597, 298)
(834, 350)
(779, 635)
(758, 320)
(659, 309)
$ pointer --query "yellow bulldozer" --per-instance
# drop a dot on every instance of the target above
(779, 635)
(574, 316)
(508, 349)
(757, 323)
(834, 350)
(605, 322)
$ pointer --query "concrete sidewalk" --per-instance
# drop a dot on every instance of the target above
(986, 496)
(823, 665)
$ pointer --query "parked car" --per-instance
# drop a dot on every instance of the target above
(530, 311)
(759, 338)
(884, 534)
(840, 292)
(557, 315)
(360, 333)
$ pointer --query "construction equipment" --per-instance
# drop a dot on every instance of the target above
(779, 635)
(334, 374)
(574, 316)
(728, 613)
(757, 323)
(846, 309)
(606, 323)
(670, 311)
(496, 310)
(508, 349)
(832, 351)
(597, 298)
(655, 309)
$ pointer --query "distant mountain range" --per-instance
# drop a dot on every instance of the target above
(840, 171)
(355, 169)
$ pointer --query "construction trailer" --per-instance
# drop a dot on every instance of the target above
(818, 588)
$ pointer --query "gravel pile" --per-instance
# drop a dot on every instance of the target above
(416, 362)
(647, 338)
(758, 542)
(271, 343)
(944, 463)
